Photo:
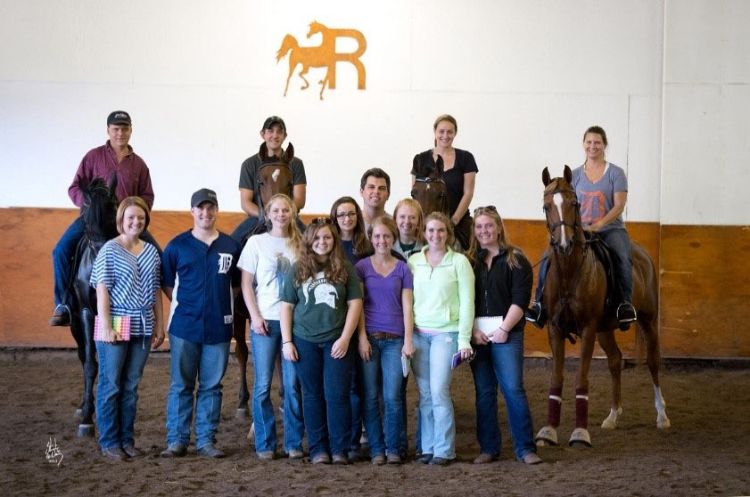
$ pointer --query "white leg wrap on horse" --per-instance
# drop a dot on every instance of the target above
(662, 421)
(610, 422)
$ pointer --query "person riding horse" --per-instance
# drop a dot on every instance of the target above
(602, 191)
(116, 157)
(459, 173)
(252, 182)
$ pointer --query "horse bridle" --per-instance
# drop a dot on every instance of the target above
(551, 227)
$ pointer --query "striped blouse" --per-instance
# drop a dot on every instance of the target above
(132, 282)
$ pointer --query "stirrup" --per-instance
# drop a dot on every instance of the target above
(536, 315)
(626, 314)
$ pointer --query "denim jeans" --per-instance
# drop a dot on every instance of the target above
(65, 251)
(502, 363)
(265, 351)
(120, 371)
(207, 363)
(356, 401)
(432, 368)
(325, 396)
(383, 368)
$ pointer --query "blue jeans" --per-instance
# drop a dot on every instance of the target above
(502, 363)
(207, 363)
(265, 351)
(120, 371)
(65, 251)
(618, 243)
(356, 402)
(432, 368)
(325, 396)
(383, 368)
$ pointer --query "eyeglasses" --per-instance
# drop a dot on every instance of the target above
(342, 215)
(490, 208)
(321, 220)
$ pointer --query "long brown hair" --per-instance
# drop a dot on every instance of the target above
(359, 239)
(307, 266)
(292, 234)
(502, 237)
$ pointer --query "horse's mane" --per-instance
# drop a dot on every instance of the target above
(425, 170)
(99, 209)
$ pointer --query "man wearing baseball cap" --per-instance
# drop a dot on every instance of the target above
(273, 134)
(199, 270)
(114, 158)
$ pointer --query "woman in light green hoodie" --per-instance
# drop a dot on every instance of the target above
(443, 318)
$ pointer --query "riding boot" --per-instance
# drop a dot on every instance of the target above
(625, 315)
(536, 314)
(60, 316)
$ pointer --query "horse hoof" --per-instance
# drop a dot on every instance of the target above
(85, 431)
(580, 438)
(610, 422)
(663, 422)
(547, 436)
(242, 413)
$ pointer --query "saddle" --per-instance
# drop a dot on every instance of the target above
(607, 258)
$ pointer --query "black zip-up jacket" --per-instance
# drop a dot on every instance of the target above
(500, 286)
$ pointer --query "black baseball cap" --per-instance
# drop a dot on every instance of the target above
(118, 117)
(203, 195)
(274, 120)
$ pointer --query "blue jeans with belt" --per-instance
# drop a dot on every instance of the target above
(502, 364)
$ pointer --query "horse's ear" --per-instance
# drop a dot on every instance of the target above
(545, 176)
(263, 152)
(112, 183)
(439, 166)
(289, 153)
(568, 174)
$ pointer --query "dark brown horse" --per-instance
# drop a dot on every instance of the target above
(273, 177)
(430, 189)
(98, 214)
(575, 295)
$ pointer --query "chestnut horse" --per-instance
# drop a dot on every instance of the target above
(575, 296)
(273, 177)
(98, 214)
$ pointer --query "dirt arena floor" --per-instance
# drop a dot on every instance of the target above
(705, 453)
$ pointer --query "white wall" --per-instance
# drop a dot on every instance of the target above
(524, 79)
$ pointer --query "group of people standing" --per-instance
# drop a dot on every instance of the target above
(351, 303)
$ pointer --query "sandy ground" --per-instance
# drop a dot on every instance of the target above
(704, 453)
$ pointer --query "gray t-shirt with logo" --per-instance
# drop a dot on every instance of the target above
(597, 199)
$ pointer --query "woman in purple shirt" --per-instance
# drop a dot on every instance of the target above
(385, 334)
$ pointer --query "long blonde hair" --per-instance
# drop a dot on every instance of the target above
(292, 234)
(502, 237)
(307, 266)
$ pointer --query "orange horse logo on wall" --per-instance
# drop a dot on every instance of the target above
(324, 55)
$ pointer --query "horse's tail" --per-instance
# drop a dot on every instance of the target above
(289, 43)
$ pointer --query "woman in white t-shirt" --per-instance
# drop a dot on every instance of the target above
(263, 262)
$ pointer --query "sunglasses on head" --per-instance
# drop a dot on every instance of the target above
(321, 220)
(486, 208)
